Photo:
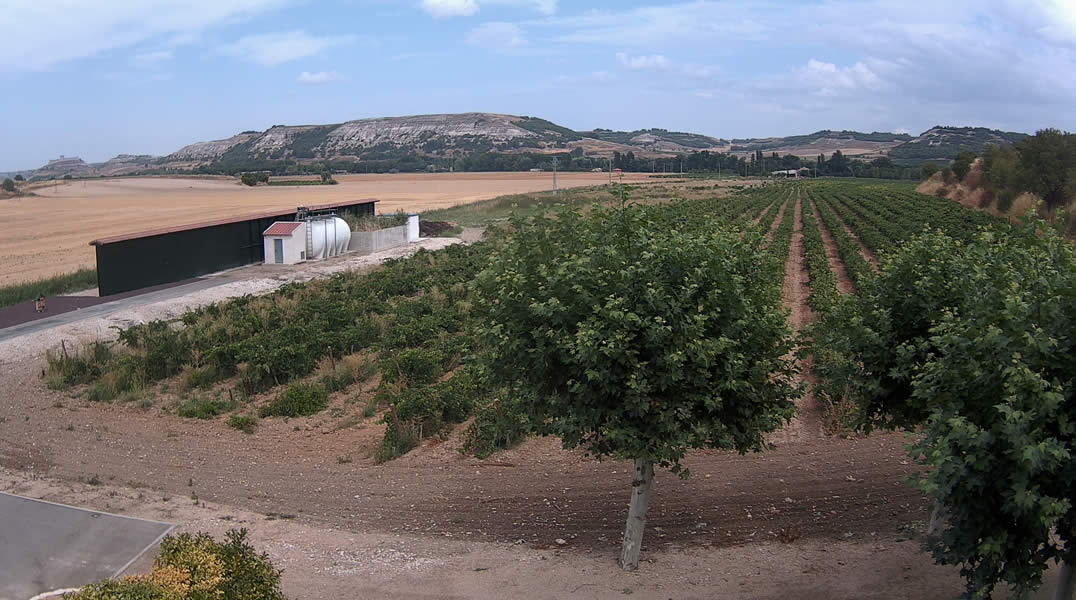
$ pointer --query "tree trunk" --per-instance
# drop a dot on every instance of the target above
(640, 500)
(936, 518)
(1066, 583)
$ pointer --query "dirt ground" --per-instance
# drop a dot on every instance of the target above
(820, 517)
(426, 525)
(49, 233)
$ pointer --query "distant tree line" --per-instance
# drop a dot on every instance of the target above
(397, 160)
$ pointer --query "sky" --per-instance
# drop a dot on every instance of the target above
(96, 78)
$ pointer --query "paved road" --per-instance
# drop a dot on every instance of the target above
(46, 546)
(107, 308)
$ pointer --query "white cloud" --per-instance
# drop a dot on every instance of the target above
(653, 62)
(150, 59)
(319, 77)
(442, 9)
(502, 37)
(594, 77)
(827, 79)
(271, 49)
(39, 34)
(546, 7)
(661, 63)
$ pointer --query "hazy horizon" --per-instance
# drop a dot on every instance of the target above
(115, 77)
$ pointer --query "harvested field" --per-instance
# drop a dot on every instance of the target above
(50, 233)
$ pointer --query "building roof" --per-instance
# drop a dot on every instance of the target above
(282, 228)
(227, 221)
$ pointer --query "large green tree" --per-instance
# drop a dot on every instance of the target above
(1049, 163)
(644, 335)
(971, 344)
(8, 185)
(962, 164)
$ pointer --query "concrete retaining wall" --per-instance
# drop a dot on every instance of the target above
(368, 242)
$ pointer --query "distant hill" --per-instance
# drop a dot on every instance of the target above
(944, 143)
(660, 140)
(487, 141)
(824, 142)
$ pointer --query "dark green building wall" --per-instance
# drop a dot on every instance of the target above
(134, 263)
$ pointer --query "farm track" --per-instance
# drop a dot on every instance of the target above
(863, 250)
(762, 214)
(776, 222)
(795, 294)
(816, 487)
(844, 283)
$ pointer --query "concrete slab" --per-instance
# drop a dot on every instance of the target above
(46, 546)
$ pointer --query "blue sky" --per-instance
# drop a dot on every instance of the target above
(97, 78)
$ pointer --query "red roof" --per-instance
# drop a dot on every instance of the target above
(282, 228)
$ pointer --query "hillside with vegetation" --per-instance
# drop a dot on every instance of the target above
(1036, 173)
(498, 142)
(945, 143)
(884, 139)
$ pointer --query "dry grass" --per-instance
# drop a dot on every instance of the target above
(50, 234)
(970, 194)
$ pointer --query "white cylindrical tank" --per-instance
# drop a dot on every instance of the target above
(329, 237)
(412, 228)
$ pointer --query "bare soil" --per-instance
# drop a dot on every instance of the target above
(795, 294)
(844, 284)
(863, 250)
(321, 561)
(762, 214)
(820, 491)
(777, 221)
(49, 233)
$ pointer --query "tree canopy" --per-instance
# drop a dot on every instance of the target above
(972, 344)
(643, 335)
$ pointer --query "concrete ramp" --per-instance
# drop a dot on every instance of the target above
(46, 546)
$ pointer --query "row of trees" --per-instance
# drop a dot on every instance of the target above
(645, 337)
(970, 345)
(392, 160)
(8, 184)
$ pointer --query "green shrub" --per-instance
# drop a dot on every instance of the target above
(253, 179)
(123, 380)
(201, 407)
(244, 423)
(400, 437)
(299, 400)
(499, 425)
(418, 366)
(196, 567)
(419, 413)
(200, 377)
(66, 368)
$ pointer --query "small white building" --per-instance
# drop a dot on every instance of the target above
(285, 243)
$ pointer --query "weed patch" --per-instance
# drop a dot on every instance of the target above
(244, 423)
(298, 400)
(201, 407)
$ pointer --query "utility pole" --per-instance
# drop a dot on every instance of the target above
(554, 175)
(610, 161)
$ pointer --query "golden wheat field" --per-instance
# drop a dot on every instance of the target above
(50, 233)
